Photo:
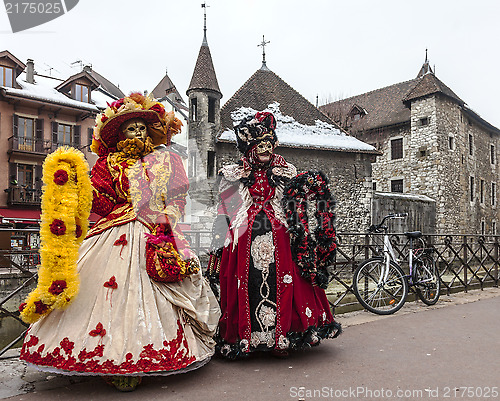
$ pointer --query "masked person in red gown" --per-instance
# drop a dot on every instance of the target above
(266, 304)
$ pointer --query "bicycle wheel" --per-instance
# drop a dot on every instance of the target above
(377, 295)
(426, 280)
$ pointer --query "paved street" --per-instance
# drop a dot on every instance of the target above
(447, 351)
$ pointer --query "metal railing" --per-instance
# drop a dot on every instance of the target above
(19, 196)
(29, 145)
(465, 261)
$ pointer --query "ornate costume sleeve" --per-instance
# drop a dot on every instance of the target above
(104, 196)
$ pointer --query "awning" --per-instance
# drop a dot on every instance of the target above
(20, 216)
(29, 216)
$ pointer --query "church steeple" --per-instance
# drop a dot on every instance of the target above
(426, 68)
(204, 72)
(204, 122)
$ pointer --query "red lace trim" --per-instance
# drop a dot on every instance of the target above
(170, 357)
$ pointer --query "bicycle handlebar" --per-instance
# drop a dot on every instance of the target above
(377, 228)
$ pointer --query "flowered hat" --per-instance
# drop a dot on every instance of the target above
(161, 125)
(252, 130)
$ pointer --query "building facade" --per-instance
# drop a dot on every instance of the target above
(433, 145)
(38, 114)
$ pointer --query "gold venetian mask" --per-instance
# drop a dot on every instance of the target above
(135, 128)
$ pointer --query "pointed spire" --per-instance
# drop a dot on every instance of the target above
(426, 67)
(204, 77)
(263, 45)
(204, 6)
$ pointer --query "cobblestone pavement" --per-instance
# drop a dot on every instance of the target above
(450, 350)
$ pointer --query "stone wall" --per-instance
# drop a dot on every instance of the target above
(349, 175)
(421, 212)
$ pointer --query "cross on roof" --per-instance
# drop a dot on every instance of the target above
(263, 45)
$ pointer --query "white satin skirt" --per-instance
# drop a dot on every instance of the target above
(122, 322)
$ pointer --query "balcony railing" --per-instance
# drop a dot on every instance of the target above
(29, 145)
(19, 196)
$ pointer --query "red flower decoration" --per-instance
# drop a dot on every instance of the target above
(111, 283)
(117, 104)
(159, 109)
(104, 118)
(122, 240)
(67, 345)
(22, 306)
(57, 287)
(57, 227)
(98, 331)
(78, 231)
(60, 177)
(40, 307)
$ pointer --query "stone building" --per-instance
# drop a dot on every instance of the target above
(39, 113)
(432, 145)
(308, 138)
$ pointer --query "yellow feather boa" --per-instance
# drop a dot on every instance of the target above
(66, 203)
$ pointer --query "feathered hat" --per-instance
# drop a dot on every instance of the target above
(161, 125)
(252, 130)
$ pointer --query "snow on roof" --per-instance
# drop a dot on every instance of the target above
(44, 90)
(101, 99)
(294, 134)
(400, 195)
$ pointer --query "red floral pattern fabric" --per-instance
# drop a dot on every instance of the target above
(173, 355)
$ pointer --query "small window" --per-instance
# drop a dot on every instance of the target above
(64, 134)
(374, 185)
(82, 93)
(397, 186)
(194, 109)
(397, 148)
(483, 228)
(26, 134)
(210, 164)
(471, 145)
(424, 121)
(492, 154)
(494, 227)
(6, 76)
(25, 174)
(211, 109)
(493, 193)
(451, 142)
(471, 189)
(481, 191)
(422, 151)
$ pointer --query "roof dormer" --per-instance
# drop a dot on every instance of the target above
(356, 113)
(10, 68)
(79, 86)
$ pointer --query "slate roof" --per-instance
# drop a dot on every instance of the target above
(388, 106)
(265, 87)
(204, 73)
(166, 87)
(107, 85)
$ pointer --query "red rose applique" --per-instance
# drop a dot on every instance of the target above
(112, 285)
(60, 177)
(57, 287)
(57, 227)
(121, 241)
(98, 331)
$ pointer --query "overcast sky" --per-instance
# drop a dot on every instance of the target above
(329, 48)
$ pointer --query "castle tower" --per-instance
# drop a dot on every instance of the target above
(204, 122)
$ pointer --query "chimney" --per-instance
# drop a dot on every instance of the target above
(87, 68)
(30, 71)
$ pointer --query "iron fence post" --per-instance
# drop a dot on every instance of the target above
(466, 264)
(495, 253)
